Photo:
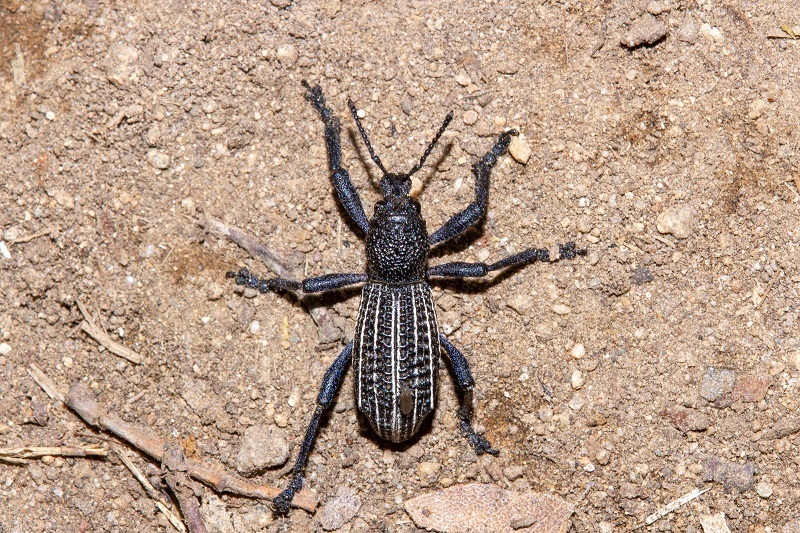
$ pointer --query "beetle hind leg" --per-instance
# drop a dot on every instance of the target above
(330, 384)
(466, 384)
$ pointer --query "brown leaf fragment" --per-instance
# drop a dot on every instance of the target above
(479, 507)
(751, 388)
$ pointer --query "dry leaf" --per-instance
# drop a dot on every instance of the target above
(479, 507)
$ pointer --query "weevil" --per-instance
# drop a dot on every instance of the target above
(396, 343)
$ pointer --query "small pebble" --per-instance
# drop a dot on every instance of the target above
(122, 61)
(688, 30)
(262, 447)
(209, 107)
(603, 457)
(520, 303)
(427, 472)
(677, 221)
(513, 472)
(470, 117)
(646, 30)
(717, 382)
(577, 402)
(158, 159)
(5, 348)
(561, 309)
(462, 79)
(254, 327)
(281, 420)
(11, 233)
(656, 8)
(756, 109)
(520, 149)
(577, 380)
(764, 489)
(578, 351)
(287, 55)
(294, 397)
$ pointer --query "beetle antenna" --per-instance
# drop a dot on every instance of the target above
(430, 147)
(363, 133)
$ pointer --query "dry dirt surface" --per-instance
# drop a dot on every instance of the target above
(661, 136)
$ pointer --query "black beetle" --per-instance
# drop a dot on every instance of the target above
(396, 343)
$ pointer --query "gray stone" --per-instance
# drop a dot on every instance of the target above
(646, 30)
(340, 510)
(716, 383)
(262, 447)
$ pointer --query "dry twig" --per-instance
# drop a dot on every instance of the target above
(100, 335)
(43, 380)
(328, 332)
(29, 238)
(81, 400)
(19, 454)
(175, 468)
(150, 490)
(676, 503)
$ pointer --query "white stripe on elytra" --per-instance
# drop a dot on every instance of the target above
(426, 300)
(394, 349)
(416, 351)
(361, 319)
(375, 384)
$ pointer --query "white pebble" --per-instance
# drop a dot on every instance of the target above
(764, 489)
(254, 327)
(577, 380)
(361, 113)
(5, 348)
(294, 397)
(578, 351)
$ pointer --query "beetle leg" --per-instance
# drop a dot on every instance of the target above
(477, 270)
(474, 212)
(328, 282)
(347, 193)
(330, 384)
(466, 384)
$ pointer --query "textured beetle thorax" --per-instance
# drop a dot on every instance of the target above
(397, 242)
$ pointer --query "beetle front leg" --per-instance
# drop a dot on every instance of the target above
(330, 384)
(475, 211)
(348, 195)
(466, 384)
(478, 270)
(328, 282)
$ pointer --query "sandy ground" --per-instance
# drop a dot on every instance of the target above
(667, 358)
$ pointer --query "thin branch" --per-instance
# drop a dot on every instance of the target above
(43, 380)
(81, 400)
(277, 263)
(100, 335)
(676, 503)
(29, 238)
(149, 489)
(174, 467)
(19, 454)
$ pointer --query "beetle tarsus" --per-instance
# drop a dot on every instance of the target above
(478, 442)
(281, 504)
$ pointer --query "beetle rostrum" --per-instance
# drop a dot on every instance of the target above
(396, 343)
